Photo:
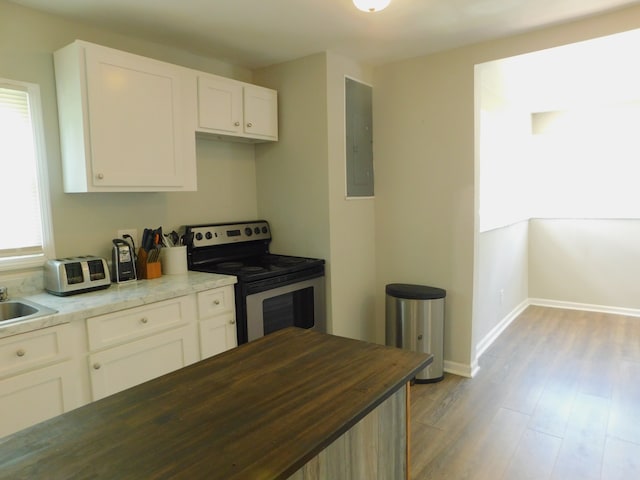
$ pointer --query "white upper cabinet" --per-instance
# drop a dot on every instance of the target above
(219, 105)
(235, 109)
(125, 121)
(260, 112)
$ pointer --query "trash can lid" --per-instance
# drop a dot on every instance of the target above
(414, 292)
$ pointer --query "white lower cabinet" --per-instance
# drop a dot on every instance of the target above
(37, 378)
(217, 320)
(35, 396)
(162, 337)
(218, 335)
(50, 371)
(119, 368)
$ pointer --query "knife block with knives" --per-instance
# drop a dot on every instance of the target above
(148, 263)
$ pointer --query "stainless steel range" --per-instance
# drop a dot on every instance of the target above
(273, 291)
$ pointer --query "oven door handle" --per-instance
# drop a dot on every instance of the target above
(257, 286)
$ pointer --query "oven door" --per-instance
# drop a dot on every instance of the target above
(300, 304)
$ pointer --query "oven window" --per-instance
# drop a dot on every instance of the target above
(294, 309)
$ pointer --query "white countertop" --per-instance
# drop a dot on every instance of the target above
(116, 297)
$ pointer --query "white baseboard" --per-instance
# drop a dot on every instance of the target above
(543, 302)
(460, 369)
(495, 332)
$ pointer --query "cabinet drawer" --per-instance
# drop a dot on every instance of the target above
(216, 301)
(28, 350)
(119, 327)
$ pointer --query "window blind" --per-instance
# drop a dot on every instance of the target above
(21, 218)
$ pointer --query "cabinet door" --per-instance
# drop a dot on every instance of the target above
(134, 112)
(122, 367)
(218, 334)
(36, 396)
(219, 105)
(260, 112)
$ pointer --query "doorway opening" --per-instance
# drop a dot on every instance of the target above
(557, 161)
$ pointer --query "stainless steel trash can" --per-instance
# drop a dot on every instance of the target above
(415, 321)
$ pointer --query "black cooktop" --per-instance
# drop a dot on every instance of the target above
(261, 266)
(242, 249)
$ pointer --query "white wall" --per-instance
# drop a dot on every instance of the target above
(593, 262)
(503, 287)
(586, 160)
(86, 223)
(503, 135)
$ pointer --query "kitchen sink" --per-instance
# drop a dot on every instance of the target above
(20, 309)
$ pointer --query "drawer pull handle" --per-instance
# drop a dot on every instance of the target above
(249, 124)
(21, 353)
(236, 124)
(96, 366)
(216, 302)
(232, 321)
(144, 320)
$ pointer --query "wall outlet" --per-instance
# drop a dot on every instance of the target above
(129, 231)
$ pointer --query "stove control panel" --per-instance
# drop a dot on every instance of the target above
(222, 234)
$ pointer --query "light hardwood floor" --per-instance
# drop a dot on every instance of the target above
(557, 397)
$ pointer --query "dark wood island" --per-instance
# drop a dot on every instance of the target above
(294, 404)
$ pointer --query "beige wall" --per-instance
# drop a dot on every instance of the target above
(301, 186)
(352, 230)
(292, 173)
(424, 150)
(86, 223)
(424, 147)
(424, 220)
(301, 178)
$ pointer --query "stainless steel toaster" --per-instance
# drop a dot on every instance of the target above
(68, 276)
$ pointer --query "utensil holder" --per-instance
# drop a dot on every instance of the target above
(174, 260)
(145, 268)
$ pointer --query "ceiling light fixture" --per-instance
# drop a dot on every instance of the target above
(371, 5)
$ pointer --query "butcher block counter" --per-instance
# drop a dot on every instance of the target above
(294, 404)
